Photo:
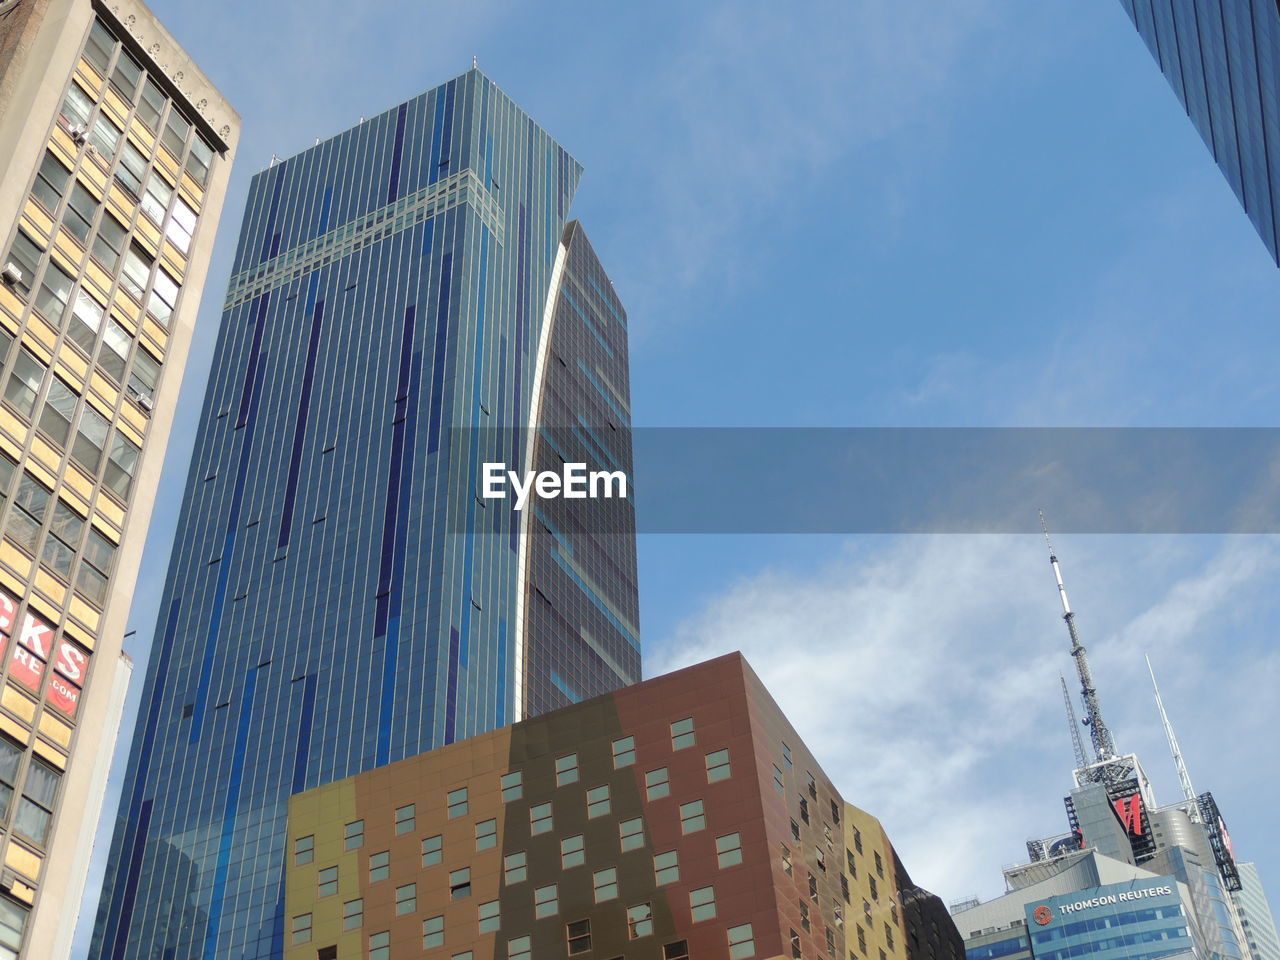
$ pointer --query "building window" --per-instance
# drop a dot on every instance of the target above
(657, 784)
(871, 881)
(432, 850)
(831, 941)
(844, 888)
(51, 181)
(888, 936)
(796, 952)
(666, 867)
(853, 864)
(692, 817)
(304, 849)
(487, 917)
(26, 257)
(786, 859)
(866, 908)
(512, 786)
(379, 866)
(566, 770)
(820, 857)
(804, 917)
(804, 810)
(718, 766)
(380, 946)
(639, 921)
(624, 752)
(813, 785)
(862, 938)
(353, 835)
(572, 852)
(682, 734)
(175, 133)
(59, 407)
(24, 382)
(631, 834)
(327, 882)
(199, 159)
(519, 949)
(786, 755)
(546, 901)
(598, 802)
(123, 460)
(486, 834)
(352, 914)
(742, 943)
(605, 884)
(406, 898)
(857, 840)
(729, 850)
(813, 888)
(405, 819)
(457, 802)
(460, 883)
(301, 930)
(702, 904)
(540, 819)
(777, 780)
(578, 936)
(676, 950)
(515, 867)
(879, 865)
(464, 955)
(328, 953)
(433, 932)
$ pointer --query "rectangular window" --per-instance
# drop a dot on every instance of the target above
(121, 464)
(91, 440)
(578, 937)
(729, 850)
(181, 226)
(25, 255)
(519, 949)
(862, 939)
(352, 914)
(572, 852)
(487, 917)
(515, 867)
(871, 881)
(702, 904)
(155, 199)
(51, 182)
(460, 883)
(380, 946)
(566, 770)
(131, 170)
(457, 802)
(682, 734)
(55, 291)
(786, 859)
(175, 133)
(406, 899)
(353, 835)
(605, 884)
(78, 217)
(831, 941)
(598, 803)
(59, 407)
(126, 75)
(857, 840)
(24, 382)
(777, 780)
(304, 849)
(813, 785)
(432, 850)
(718, 766)
(820, 856)
(135, 273)
(105, 137)
(796, 953)
(100, 46)
(888, 936)
(879, 864)
(677, 950)
(164, 297)
(813, 888)
(76, 108)
(786, 755)
(666, 867)
(546, 902)
(624, 752)
(512, 786)
(433, 932)
(805, 924)
(639, 921)
(405, 819)
(301, 928)
(379, 866)
(692, 817)
(804, 809)
(486, 834)
(853, 864)
(327, 882)
(657, 784)
(742, 942)
(844, 888)
(540, 819)
(199, 160)
(631, 834)
(109, 242)
(151, 105)
(85, 322)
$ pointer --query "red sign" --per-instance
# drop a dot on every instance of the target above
(1130, 813)
(8, 611)
(27, 668)
(63, 696)
(1042, 915)
(72, 662)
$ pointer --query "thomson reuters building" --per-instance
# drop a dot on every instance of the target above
(1136, 920)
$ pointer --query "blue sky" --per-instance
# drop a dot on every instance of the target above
(872, 213)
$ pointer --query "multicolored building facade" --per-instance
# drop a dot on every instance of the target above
(681, 817)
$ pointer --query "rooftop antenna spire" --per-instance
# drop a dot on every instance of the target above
(1103, 746)
(1078, 744)
(1184, 778)
(475, 62)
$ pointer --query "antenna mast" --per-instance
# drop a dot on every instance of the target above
(1184, 778)
(1103, 746)
(1082, 761)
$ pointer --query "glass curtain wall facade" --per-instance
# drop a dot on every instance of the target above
(1222, 58)
(340, 595)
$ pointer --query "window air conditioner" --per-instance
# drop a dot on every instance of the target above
(78, 134)
(11, 274)
(146, 403)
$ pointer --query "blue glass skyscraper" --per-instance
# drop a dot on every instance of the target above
(408, 302)
(1222, 58)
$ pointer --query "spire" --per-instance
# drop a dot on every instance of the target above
(1184, 778)
(1074, 726)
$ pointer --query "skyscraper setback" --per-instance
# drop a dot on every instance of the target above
(408, 302)
(114, 156)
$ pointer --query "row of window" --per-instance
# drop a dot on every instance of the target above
(36, 799)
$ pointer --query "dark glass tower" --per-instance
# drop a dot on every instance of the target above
(408, 302)
(1222, 58)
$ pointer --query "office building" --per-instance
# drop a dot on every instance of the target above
(1255, 914)
(408, 302)
(680, 817)
(114, 156)
(1222, 58)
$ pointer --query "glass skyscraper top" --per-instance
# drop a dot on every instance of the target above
(408, 302)
(1222, 58)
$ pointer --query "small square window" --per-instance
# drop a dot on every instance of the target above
(457, 802)
(519, 949)
(578, 935)
(546, 901)
(666, 867)
(301, 928)
(631, 834)
(729, 850)
(433, 932)
(515, 867)
(677, 950)
(487, 917)
(718, 766)
(572, 852)
(605, 884)
(682, 734)
(540, 819)
(566, 770)
(598, 803)
(353, 835)
(460, 883)
(352, 914)
(742, 942)
(692, 817)
(406, 898)
(432, 850)
(304, 850)
(405, 819)
(486, 834)
(624, 752)
(512, 786)
(657, 784)
(327, 882)
(639, 921)
(379, 866)
(702, 904)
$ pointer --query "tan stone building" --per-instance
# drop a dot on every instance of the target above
(114, 156)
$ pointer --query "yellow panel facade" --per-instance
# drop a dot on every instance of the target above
(80, 484)
(167, 166)
(113, 514)
(148, 236)
(17, 704)
(151, 328)
(46, 453)
(37, 221)
(22, 860)
(115, 106)
(120, 202)
(15, 559)
(100, 279)
(84, 638)
(55, 729)
(94, 180)
(51, 586)
(88, 78)
(11, 728)
(73, 368)
(51, 754)
(62, 147)
(84, 613)
(10, 307)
